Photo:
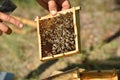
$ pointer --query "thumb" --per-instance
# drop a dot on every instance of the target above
(52, 7)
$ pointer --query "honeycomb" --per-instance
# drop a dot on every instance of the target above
(57, 34)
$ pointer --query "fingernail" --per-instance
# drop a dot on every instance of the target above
(21, 25)
(53, 12)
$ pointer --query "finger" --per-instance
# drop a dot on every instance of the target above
(12, 20)
(9, 31)
(52, 7)
(65, 4)
(4, 28)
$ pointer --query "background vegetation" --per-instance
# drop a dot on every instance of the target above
(100, 37)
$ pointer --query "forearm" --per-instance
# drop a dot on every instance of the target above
(43, 4)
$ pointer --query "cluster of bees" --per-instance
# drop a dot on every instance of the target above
(57, 34)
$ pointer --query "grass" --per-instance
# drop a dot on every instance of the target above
(19, 52)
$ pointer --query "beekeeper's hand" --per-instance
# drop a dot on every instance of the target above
(54, 5)
(7, 18)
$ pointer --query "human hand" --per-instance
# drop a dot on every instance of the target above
(7, 18)
(54, 5)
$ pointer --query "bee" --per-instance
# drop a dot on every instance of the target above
(59, 32)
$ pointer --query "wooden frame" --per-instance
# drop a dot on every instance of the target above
(99, 75)
(76, 23)
(82, 74)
